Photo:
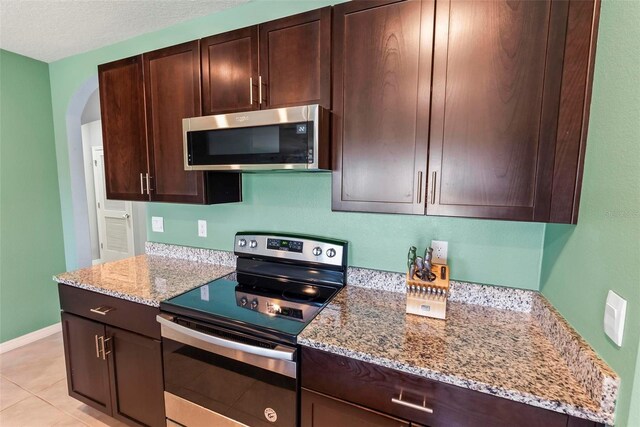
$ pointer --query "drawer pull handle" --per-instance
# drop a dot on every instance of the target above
(102, 310)
(422, 407)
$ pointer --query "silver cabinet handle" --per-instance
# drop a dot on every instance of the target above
(251, 90)
(101, 341)
(401, 402)
(260, 90)
(141, 184)
(433, 187)
(126, 216)
(148, 183)
(104, 347)
(102, 310)
(419, 187)
(97, 347)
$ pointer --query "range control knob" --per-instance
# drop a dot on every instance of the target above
(254, 304)
(331, 252)
(317, 251)
(242, 243)
(253, 244)
(243, 301)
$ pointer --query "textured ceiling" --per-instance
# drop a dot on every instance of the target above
(49, 30)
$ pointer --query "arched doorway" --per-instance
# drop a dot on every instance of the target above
(83, 137)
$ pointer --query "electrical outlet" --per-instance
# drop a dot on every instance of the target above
(202, 228)
(157, 224)
(440, 249)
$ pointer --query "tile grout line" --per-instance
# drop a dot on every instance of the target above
(58, 408)
(20, 387)
(31, 394)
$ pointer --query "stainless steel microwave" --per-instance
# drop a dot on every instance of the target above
(293, 138)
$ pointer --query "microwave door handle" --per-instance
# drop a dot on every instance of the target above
(221, 342)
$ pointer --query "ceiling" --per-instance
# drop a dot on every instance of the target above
(49, 30)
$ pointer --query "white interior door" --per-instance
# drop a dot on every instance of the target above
(115, 222)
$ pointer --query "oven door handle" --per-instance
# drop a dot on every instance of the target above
(279, 352)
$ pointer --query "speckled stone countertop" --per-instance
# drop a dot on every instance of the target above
(146, 279)
(501, 352)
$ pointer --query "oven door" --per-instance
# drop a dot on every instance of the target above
(213, 376)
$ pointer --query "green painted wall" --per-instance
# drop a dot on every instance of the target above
(300, 202)
(634, 414)
(602, 252)
(31, 247)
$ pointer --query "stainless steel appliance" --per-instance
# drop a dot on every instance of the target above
(294, 138)
(229, 347)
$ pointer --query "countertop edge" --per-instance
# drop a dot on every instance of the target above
(514, 395)
(115, 294)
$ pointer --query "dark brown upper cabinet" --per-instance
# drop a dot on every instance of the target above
(382, 55)
(499, 98)
(230, 71)
(123, 128)
(143, 100)
(509, 103)
(172, 82)
(295, 58)
(293, 67)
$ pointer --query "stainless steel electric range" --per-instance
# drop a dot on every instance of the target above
(229, 346)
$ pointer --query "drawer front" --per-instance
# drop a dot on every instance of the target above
(112, 311)
(423, 401)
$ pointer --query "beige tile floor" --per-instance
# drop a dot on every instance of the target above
(33, 389)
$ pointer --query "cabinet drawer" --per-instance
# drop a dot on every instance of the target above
(374, 387)
(125, 314)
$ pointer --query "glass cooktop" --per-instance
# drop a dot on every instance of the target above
(258, 303)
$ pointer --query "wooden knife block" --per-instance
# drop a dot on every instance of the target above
(429, 299)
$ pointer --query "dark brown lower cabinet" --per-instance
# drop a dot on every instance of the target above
(319, 410)
(340, 391)
(87, 373)
(136, 377)
(114, 370)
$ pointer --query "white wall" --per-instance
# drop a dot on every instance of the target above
(91, 137)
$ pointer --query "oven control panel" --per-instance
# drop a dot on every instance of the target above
(292, 247)
(275, 307)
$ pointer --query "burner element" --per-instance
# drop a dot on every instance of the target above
(306, 294)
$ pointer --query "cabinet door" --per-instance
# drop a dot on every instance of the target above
(230, 71)
(136, 377)
(381, 94)
(123, 128)
(318, 410)
(172, 83)
(496, 80)
(295, 60)
(87, 369)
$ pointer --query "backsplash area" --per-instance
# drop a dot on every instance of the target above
(301, 203)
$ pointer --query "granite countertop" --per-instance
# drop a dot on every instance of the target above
(145, 279)
(505, 342)
(495, 351)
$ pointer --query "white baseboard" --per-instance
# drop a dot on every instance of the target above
(30, 337)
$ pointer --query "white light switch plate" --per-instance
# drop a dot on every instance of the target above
(440, 249)
(202, 228)
(615, 311)
(157, 224)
